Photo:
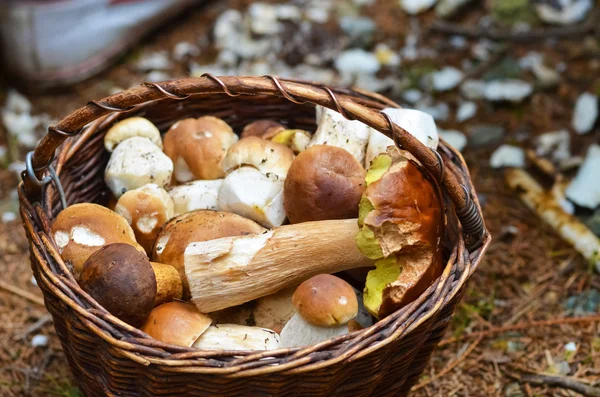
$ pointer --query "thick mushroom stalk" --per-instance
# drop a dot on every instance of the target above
(230, 271)
(401, 224)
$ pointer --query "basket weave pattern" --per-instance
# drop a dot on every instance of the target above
(109, 357)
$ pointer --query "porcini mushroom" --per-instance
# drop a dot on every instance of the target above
(378, 143)
(401, 223)
(177, 323)
(266, 156)
(146, 209)
(324, 182)
(198, 146)
(335, 130)
(124, 282)
(196, 195)
(265, 129)
(195, 226)
(274, 311)
(237, 337)
(129, 128)
(134, 163)
(82, 229)
(297, 140)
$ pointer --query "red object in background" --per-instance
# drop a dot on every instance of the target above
(56, 42)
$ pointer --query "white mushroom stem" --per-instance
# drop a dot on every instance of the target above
(197, 195)
(237, 337)
(378, 143)
(233, 270)
(417, 123)
(298, 332)
(547, 208)
(333, 129)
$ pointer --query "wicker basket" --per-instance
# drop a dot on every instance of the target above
(109, 357)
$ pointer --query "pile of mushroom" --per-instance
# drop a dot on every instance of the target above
(225, 242)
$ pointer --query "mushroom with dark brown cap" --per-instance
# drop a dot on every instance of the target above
(124, 282)
(82, 229)
(201, 225)
(197, 147)
(177, 323)
(323, 182)
(265, 129)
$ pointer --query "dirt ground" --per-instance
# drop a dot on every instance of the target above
(517, 317)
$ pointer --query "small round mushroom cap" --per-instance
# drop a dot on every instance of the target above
(265, 129)
(121, 279)
(146, 209)
(266, 156)
(324, 182)
(82, 229)
(177, 323)
(195, 226)
(198, 146)
(128, 128)
(326, 301)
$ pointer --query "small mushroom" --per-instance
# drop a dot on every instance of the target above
(265, 129)
(335, 130)
(177, 323)
(274, 311)
(297, 140)
(196, 195)
(324, 182)
(82, 229)
(201, 225)
(253, 195)
(134, 163)
(198, 146)
(266, 156)
(146, 209)
(125, 283)
(237, 337)
(128, 128)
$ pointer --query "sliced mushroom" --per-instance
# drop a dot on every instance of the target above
(237, 337)
(195, 226)
(265, 129)
(146, 209)
(137, 162)
(123, 281)
(177, 323)
(198, 146)
(335, 130)
(266, 156)
(297, 140)
(82, 229)
(324, 182)
(274, 311)
(196, 195)
(129, 128)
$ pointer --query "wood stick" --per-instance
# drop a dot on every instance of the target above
(21, 292)
(233, 270)
(557, 381)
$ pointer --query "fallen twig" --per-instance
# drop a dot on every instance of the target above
(45, 319)
(556, 381)
(450, 366)
(521, 326)
(21, 292)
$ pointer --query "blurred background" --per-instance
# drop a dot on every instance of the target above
(513, 84)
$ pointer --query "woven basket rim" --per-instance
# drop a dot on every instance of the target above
(139, 347)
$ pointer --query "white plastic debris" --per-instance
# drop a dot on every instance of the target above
(156, 61)
(508, 156)
(156, 75)
(455, 138)
(511, 90)
(446, 78)
(414, 7)
(17, 103)
(288, 12)
(228, 29)
(584, 189)
(34, 281)
(417, 123)
(586, 113)
(556, 145)
(9, 217)
(19, 122)
(473, 89)
(412, 96)
(263, 19)
(39, 340)
(357, 61)
(458, 41)
(563, 12)
(184, 50)
(439, 111)
(571, 347)
(465, 111)
(317, 14)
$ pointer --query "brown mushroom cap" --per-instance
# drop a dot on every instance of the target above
(121, 279)
(326, 301)
(324, 182)
(146, 209)
(265, 129)
(195, 226)
(177, 323)
(197, 147)
(82, 229)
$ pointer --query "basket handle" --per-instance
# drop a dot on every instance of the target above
(292, 90)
